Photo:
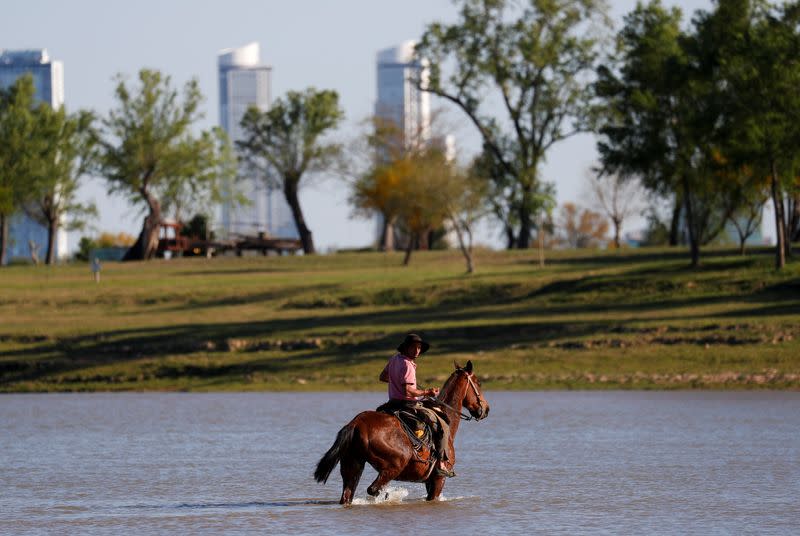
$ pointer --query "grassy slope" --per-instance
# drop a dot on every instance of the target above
(639, 319)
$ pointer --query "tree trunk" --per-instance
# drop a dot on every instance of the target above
(780, 222)
(424, 241)
(387, 234)
(675, 223)
(52, 231)
(3, 238)
(466, 248)
(694, 240)
(409, 249)
(290, 191)
(147, 243)
(617, 228)
(541, 240)
(794, 219)
(524, 237)
(510, 238)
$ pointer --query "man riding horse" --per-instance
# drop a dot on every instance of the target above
(404, 394)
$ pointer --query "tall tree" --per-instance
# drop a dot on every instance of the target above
(65, 155)
(147, 143)
(535, 60)
(661, 119)
(384, 153)
(422, 196)
(377, 191)
(17, 153)
(503, 196)
(286, 143)
(762, 74)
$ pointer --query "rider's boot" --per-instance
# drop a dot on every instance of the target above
(441, 469)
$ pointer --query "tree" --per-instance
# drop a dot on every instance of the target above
(421, 190)
(285, 143)
(618, 198)
(536, 60)
(422, 195)
(374, 188)
(376, 191)
(146, 147)
(197, 227)
(465, 199)
(581, 228)
(662, 118)
(793, 212)
(762, 73)
(17, 153)
(747, 219)
(66, 154)
(503, 193)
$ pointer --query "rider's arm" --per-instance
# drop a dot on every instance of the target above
(384, 377)
(413, 391)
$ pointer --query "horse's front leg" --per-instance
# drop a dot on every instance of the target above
(434, 486)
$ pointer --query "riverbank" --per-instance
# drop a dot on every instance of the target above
(639, 319)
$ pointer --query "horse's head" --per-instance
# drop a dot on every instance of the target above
(473, 401)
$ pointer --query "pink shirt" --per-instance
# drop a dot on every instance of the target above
(402, 371)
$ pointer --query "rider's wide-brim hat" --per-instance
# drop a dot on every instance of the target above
(413, 337)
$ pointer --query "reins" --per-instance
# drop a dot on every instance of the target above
(464, 417)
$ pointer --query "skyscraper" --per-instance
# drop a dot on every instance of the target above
(399, 98)
(48, 79)
(244, 82)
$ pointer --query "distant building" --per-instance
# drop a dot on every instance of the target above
(48, 79)
(244, 82)
(399, 99)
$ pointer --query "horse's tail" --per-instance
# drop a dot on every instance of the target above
(334, 454)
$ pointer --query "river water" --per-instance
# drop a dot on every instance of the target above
(543, 462)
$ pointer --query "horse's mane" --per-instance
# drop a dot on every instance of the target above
(446, 387)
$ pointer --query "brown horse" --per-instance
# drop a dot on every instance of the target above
(378, 438)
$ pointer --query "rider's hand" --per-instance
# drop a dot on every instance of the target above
(434, 391)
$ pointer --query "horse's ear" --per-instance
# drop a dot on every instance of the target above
(458, 367)
(468, 368)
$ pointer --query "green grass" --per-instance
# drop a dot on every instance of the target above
(639, 319)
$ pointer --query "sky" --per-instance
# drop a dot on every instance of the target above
(322, 43)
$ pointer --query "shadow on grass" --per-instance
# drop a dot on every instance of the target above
(494, 332)
(670, 256)
(254, 270)
(526, 316)
(275, 295)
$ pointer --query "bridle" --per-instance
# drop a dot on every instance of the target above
(461, 414)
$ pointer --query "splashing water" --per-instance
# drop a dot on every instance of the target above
(398, 495)
(388, 495)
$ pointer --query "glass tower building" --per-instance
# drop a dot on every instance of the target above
(48, 79)
(244, 82)
(399, 98)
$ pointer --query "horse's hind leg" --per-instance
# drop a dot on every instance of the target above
(351, 470)
(384, 477)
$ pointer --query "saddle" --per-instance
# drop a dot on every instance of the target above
(415, 423)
